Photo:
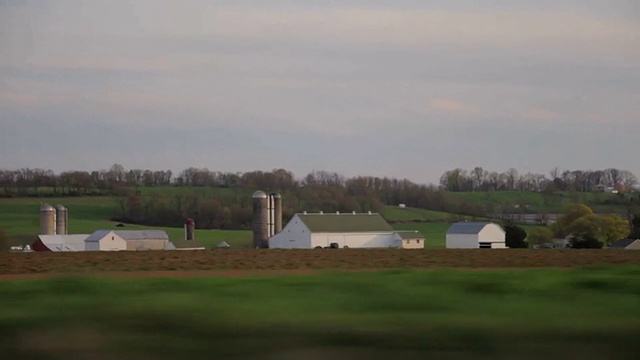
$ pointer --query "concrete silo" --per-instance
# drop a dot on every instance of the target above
(62, 220)
(260, 219)
(189, 229)
(277, 213)
(47, 220)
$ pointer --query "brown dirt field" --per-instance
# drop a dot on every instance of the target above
(232, 262)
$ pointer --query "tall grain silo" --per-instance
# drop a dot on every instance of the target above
(277, 208)
(47, 220)
(62, 220)
(260, 219)
(189, 229)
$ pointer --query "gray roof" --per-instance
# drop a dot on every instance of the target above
(465, 227)
(64, 242)
(623, 243)
(410, 235)
(346, 222)
(130, 234)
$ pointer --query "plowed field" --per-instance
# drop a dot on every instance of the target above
(283, 261)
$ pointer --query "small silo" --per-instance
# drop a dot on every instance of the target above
(260, 220)
(47, 220)
(189, 229)
(62, 220)
(277, 207)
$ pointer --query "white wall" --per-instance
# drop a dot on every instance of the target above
(112, 242)
(462, 241)
(354, 240)
(295, 235)
(492, 233)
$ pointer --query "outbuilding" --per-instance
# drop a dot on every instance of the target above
(60, 243)
(132, 240)
(474, 235)
(626, 244)
(339, 230)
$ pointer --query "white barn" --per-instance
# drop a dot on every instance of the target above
(132, 240)
(475, 235)
(347, 230)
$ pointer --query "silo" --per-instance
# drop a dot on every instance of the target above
(47, 220)
(62, 220)
(277, 205)
(189, 229)
(260, 220)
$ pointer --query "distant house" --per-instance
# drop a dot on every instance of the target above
(475, 235)
(60, 243)
(131, 240)
(342, 230)
(409, 240)
(626, 244)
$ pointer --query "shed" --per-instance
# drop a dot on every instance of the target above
(409, 240)
(132, 240)
(60, 243)
(346, 230)
(626, 244)
(474, 235)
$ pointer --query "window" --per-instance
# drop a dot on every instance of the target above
(418, 241)
(408, 241)
(485, 245)
(112, 238)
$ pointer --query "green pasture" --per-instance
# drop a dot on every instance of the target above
(587, 313)
(396, 214)
(19, 217)
(536, 202)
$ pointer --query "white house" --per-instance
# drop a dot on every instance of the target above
(474, 235)
(346, 230)
(119, 240)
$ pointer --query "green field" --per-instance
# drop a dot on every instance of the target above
(587, 313)
(535, 202)
(397, 214)
(19, 218)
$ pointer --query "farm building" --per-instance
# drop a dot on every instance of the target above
(626, 244)
(474, 235)
(58, 243)
(132, 240)
(346, 230)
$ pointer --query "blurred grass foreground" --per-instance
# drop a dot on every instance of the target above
(585, 313)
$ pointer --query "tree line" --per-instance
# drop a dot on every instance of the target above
(27, 181)
(479, 179)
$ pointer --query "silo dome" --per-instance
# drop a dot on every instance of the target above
(259, 195)
(277, 196)
(47, 207)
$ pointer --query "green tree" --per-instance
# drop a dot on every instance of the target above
(4, 240)
(604, 229)
(574, 212)
(635, 227)
(540, 236)
(515, 236)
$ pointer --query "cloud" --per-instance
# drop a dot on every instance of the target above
(539, 113)
(453, 107)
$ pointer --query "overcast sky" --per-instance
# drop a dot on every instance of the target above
(386, 88)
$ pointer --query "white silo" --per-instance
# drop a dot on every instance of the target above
(47, 220)
(62, 220)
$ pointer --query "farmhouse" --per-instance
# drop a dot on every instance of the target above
(59, 243)
(626, 244)
(132, 240)
(474, 235)
(342, 230)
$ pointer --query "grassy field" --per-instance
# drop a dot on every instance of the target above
(590, 313)
(535, 202)
(19, 218)
(397, 214)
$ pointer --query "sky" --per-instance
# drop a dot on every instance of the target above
(405, 89)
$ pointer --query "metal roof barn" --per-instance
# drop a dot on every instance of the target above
(474, 235)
